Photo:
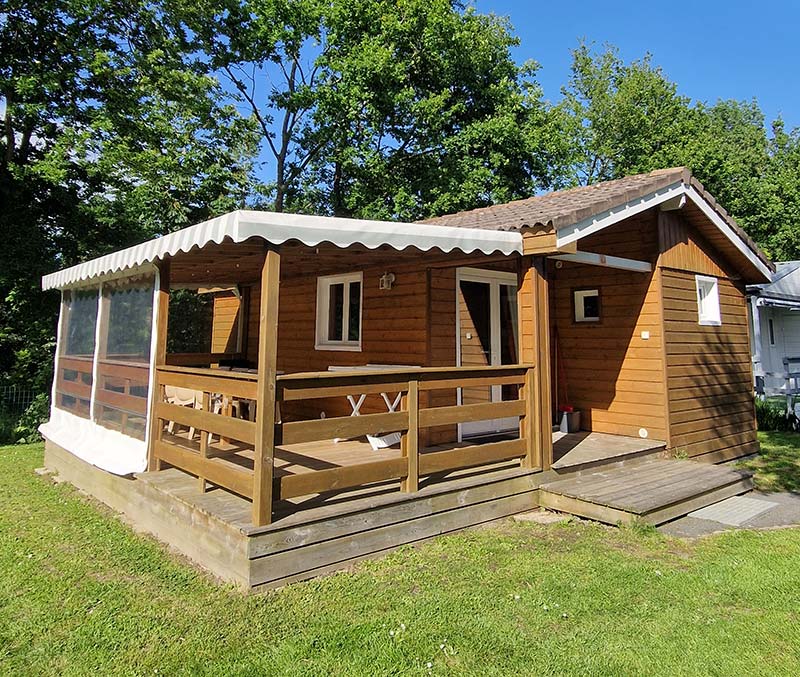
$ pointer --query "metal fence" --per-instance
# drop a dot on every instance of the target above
(14, 400)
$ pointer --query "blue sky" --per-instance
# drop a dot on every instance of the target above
(712, 49)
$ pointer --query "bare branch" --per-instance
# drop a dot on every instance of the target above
(254, 106)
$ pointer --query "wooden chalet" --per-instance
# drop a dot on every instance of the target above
(278, 396)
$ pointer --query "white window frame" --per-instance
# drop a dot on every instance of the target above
(323, 310)
(578, 296)
(708, 316)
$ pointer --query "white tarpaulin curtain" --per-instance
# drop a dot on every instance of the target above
(102, 384)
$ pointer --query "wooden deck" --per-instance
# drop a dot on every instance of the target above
(655, 491)
(317, 533)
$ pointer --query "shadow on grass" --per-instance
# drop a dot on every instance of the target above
(777, 467)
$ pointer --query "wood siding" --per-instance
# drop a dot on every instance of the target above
(607, 369)
(225, 333)
(442, 348)
(709, 370)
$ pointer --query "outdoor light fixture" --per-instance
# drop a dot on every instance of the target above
(387, 281)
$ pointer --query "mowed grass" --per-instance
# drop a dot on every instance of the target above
(777, 467)
(81, 594)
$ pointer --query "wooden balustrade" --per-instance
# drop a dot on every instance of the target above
(200, 359)
(408, 421)
(121, 394)
(215, 387)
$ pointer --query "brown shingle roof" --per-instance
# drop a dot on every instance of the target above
(564, 207)
(567, 207)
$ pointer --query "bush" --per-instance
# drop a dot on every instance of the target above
(27, 428)
(772, 415)
(7, 425)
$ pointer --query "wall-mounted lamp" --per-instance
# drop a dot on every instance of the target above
(386, 281)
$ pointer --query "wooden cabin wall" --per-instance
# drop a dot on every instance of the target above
(442, 343)
(709, 371)
(411, 324)
(394, 331)
(610, 372)
(225, 328)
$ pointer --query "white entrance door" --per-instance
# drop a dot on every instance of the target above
(486, 314)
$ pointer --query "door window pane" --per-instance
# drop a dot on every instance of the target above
(475, 334)
(354, 312)
(509, 335)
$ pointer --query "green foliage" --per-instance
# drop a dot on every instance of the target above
(381, 108)
(26, 429)
(114, 131)
(125, 120)
(772, 415)
(190, 320)
(626, 118)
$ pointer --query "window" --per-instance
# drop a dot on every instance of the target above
(587, 305)
(771, 332)
(339, 312)
(708, 300)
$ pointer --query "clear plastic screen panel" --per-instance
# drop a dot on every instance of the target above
(123, 357)
(76, 351)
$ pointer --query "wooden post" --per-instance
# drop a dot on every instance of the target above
(534, 326)
(267, 375)
(410, 441)
(204, 435)
(529, 423)
(156, 430)
(100, 350)
(543, 380)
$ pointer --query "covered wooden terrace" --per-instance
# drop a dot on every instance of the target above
(279, 452)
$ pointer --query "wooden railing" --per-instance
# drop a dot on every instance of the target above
(213, 384)
(74, 383)
(200, 359)
(409, 421)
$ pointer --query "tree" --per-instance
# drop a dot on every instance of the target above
(377, 107)
(113, 131)
(629, 118)
(620, 118)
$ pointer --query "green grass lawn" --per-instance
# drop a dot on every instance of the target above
(777, 467)
(81, 594)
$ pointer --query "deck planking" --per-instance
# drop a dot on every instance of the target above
(573, 452)
(655, 490)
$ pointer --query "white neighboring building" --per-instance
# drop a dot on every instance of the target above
(775, 327)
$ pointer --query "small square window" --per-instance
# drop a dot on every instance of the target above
(587, 305)
(708, 301)
(339, 312)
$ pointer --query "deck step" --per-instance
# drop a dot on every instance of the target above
(589, 451)
(654, 491)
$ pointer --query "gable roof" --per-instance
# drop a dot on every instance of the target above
(577, 212)
(785, 285)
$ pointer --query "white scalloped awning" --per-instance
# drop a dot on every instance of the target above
(277, 228)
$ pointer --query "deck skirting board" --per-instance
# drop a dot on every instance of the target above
(260, 560)
(397, 525)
